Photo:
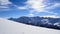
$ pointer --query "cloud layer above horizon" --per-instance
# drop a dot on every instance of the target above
(45, 8)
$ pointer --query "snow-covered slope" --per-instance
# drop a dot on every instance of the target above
(11, 27)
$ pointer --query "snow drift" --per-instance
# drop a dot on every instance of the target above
(11, 27)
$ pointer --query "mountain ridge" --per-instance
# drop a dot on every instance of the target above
(39, 21)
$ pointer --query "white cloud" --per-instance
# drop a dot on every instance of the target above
(4, 4)
(52, 16)
(34, 5)
(22, 8)
(30, 15)
(55, 5)
(53, 13)
(37, 5)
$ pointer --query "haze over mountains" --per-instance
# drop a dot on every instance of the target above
(39, 21)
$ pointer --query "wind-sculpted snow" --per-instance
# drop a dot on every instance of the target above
(57, 24)
(11, 27)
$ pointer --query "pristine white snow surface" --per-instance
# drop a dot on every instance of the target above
(11, 27)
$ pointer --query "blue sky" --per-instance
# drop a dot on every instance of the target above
(17, 8)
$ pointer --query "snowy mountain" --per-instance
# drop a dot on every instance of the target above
(11, 27)
(39, 21)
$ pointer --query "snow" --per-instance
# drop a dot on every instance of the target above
(57, 24)
(11, 27)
